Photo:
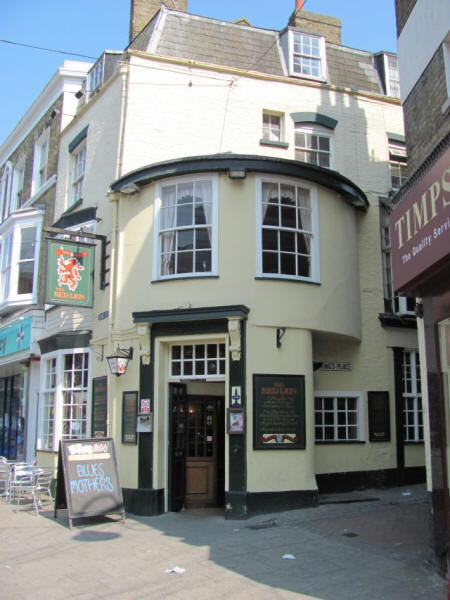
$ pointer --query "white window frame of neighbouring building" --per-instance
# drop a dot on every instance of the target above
(339, 417)
(186, 217)
(64, 397)
(287, 229)
(40, 161)
(412, 397)
(20, 239)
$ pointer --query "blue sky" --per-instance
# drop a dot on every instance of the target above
(90, 26)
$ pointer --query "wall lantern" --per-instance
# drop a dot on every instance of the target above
(118, 362)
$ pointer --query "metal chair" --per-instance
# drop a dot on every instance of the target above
(43, 480)
(21, 481)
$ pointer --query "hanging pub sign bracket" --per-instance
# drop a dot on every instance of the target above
(73, 235)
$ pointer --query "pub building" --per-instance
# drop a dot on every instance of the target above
(234, 350)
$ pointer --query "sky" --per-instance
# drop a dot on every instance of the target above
(88, 27)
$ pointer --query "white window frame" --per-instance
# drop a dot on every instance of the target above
(6, 189)
(360, 411)
(397, 160)
(398, 304)
(271, 132)
(157, 250)
(78, 170)
(10, 262)
(315, 256)
(188, 365)
(412, 398)
(321, 57)
(58, 391)
(319, 131)
(17, 195)
(40, 162)
(95, 77)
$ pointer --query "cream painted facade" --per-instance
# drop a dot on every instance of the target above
(142, 126)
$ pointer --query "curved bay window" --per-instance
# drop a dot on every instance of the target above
(288, 230)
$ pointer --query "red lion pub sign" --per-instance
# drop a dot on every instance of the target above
(70, 273)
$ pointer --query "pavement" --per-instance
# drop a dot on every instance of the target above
(372, 545)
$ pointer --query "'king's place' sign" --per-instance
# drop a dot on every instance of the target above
(420, 229)
(70, 273)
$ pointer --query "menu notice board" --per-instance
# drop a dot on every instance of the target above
(279, 412)
(88, 481)
(99, 407)
(379, 418)
(129, 415)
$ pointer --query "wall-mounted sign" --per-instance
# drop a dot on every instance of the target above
(129, 416)
(420, 228)
(70, 273)
(15, 337)
(379, 418)
(336, 366)
(279, 412)
(99, 407)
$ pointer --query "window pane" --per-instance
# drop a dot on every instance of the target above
(288, 264)
(203, 262)
(185, 262)
(270, 262)
(28, 242)
(25, 282)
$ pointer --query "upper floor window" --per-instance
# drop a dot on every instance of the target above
(19, 252)
(313, 145)
(393, 303)
(78, 170)
(271, 127)
(18, 196)
(5, 191)
(307, 56)
(186, 232)
(288, 242)
(40, 162)
(398, 163)
(95, 76)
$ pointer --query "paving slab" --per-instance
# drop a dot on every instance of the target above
(387, 558)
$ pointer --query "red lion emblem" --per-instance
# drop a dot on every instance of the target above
(69, 272)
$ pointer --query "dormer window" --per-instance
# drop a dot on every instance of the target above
(95, 77)
(307, 55)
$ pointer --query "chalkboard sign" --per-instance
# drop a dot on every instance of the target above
(129, 413)
(379, 418)
(88, 482)
(279, 412)
(99, 407)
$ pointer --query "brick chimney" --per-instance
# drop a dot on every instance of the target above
(310, 22)
(142, 11)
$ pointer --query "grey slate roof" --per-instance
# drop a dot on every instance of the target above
(181, 35)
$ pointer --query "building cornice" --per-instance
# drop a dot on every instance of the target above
(333, 180)
(69, 74)
(263, 76)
